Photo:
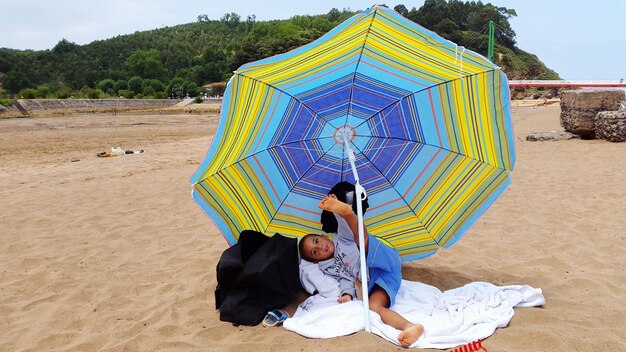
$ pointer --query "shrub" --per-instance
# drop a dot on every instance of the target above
(157, 85)
(135, 84)
(27, 93)
(6, 102)
(120, 85)
(106, 85)
(64, 94)
(148, 91)
(91, 93)
(42, 91)
(128, 94)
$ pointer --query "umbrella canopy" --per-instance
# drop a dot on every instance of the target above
(429, 123)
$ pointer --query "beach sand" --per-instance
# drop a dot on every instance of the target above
(112, 254)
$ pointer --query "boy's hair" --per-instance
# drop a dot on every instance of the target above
(304, 255)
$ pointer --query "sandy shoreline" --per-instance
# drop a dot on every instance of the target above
(112, 254)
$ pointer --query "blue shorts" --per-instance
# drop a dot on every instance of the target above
(385, 267)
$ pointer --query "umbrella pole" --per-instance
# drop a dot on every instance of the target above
(359, 195)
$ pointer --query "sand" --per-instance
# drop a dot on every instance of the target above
(112, 254)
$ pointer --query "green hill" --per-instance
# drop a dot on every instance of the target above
(177, 60)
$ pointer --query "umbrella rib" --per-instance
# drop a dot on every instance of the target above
(434, 146)
(286, 93)
(291, 189)
(409, 140)
(391, 186)
(418, 91)
(400, 196)
(358, 62)
(271, 147)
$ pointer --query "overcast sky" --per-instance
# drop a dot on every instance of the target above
(579, 39)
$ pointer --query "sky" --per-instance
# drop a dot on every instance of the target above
(579, 39)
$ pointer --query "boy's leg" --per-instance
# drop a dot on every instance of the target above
(334, 205)
(379, 301)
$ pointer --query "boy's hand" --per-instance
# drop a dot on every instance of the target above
(344, 298)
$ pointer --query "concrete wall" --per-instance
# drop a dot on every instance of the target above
(212, 100)
(32, 105)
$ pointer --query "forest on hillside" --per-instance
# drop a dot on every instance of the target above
(177, 61)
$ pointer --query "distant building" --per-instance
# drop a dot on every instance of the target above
(215, 89)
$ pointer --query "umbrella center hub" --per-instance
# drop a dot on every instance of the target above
(344, 132)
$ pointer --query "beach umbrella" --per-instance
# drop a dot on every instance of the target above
(421, 124)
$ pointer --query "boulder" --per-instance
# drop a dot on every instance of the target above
(580, 107)
(551, 136)
(611, 125)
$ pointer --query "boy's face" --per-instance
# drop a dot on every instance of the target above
(318, 247)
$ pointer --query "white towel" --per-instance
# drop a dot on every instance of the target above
(451, 318)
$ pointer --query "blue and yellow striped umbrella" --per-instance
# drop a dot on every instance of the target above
(429, 123)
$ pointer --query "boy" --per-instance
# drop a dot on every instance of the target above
(340, 258)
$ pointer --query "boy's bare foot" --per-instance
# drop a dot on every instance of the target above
(334, 205)
(411, 334)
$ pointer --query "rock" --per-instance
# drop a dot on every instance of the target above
(580, 122)
(551, 136)
(580, 107)
(611, 125)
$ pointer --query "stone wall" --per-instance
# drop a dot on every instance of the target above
(9, 111)
(212, 100)
(33, 105)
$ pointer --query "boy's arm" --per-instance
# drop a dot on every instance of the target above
(345, 298)
(346, 287)
(332, 204)
(348, 226)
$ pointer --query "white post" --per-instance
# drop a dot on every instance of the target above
(360, 194)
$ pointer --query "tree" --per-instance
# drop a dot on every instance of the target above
(64, 92)
(176, 88)
(401, 9)
(27, 93)
(135, 84)
(447, 29)
(146, 64)
(148, 91)
(209, 50)
(191, 88)
(15, 81)
(64, 46)
(120, 85)
(211, 72)
(334, 15)
(155, 84)
(42, 91)
(231, 19)
(250, 20)
(106, 85)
